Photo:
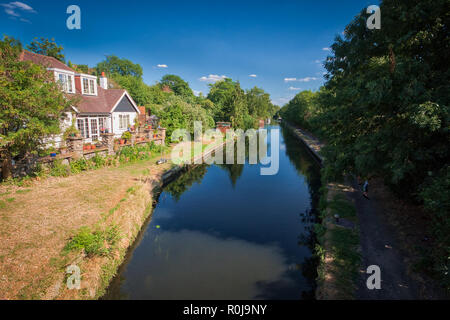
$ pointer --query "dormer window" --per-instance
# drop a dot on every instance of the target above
(66, 82)
(89, 86)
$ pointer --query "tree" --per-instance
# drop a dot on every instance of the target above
(31, 106)
(113, 65)
(47, 48)
(301, 109)
(177, 85)
(385, 107)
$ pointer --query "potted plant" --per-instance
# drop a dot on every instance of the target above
(126, 135)
(71, 131)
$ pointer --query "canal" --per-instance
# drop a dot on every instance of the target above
(226, 232)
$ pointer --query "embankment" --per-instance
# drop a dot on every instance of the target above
(337, 233)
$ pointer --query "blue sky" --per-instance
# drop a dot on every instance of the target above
(201, 41)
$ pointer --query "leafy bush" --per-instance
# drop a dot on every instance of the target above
(436, 200)
(79, 165)
(97, 242)
(126, 135)
(59, 169)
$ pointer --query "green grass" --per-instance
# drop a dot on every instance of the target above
(23, 191)
(97, 242)
(340, 205)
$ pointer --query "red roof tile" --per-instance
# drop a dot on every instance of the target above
(48, 62)
(104, 102)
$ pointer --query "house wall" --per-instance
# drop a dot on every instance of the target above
(55, 140)
(116, 122)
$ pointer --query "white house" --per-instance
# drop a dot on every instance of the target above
(100, 109)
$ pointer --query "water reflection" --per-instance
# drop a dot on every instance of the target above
(226, 232)
(245, 269)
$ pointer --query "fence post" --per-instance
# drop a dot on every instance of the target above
(108, 142)
(76, 147)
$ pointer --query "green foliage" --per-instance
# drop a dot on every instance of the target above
(58, 169)
(31, 103)
(113, 65)
(126, 135)
(301, 109)
(437, 201)
(177, 85)
(77, 166)
(98, 242)
(47, 48)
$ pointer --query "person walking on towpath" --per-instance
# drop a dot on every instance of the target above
(365, 189)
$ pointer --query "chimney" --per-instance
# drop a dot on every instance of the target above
(104, 81)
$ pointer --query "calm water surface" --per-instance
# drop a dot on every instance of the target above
(226, 232)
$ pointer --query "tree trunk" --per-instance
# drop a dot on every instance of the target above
(6, 165)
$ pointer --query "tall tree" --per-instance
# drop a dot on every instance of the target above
(177, 85)
(47, 48)
(113, 65)
(31, 105)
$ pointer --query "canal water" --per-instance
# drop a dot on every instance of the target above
(226, 232)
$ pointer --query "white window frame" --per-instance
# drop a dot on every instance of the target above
(87, 125)
(68, 82)
(91, 89)
(124, 121)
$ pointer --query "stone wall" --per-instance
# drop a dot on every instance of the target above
(75, 150)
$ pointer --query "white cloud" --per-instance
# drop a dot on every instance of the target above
(294, 89)
(253, 76)
(326, 49)
(318, 61)
(162, 66)
(22, 6)
(196, 93)
(11, 9)
(212, 78)
(307, 79)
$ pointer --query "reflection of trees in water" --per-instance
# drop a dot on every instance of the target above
(307, 167)
(185, 181)
(234, 171)
(303, 163)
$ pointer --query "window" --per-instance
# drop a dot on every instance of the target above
(89, 86)
(94, 129)
(103, 124)
(83, 127)
(65, 81)
(124, 121)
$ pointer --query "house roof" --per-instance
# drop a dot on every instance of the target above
(46, 61)
(104, 102)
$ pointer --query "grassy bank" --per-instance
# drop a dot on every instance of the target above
(338, 242)
(87, 219)
(338, 245)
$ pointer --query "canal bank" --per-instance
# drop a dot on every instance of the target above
(226, 232)
(337, 234)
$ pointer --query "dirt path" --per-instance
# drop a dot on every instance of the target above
(390, 229)
(380, 246)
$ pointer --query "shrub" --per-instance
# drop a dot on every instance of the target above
(59, 169)
(96, 242)
(436, 200)
(126, 135)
